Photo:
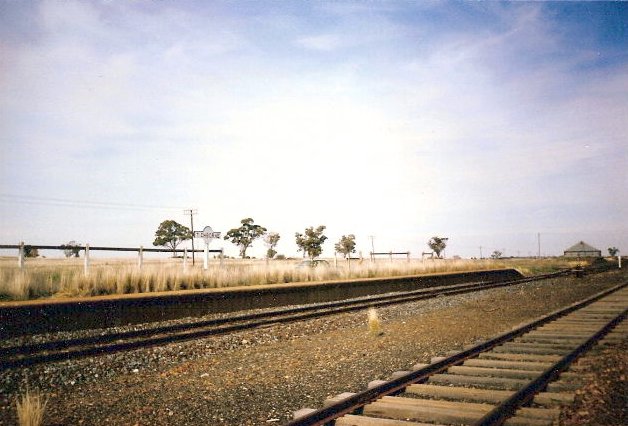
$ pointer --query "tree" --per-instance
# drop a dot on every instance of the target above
(71, 249)
(171, 234)
(30, 251)
(312, 241)
(437, 244)
(612, 251)
(346, 245)
(244, 236)
(496, 254)
(271, 239)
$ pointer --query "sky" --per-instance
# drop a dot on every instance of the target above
(489, 123)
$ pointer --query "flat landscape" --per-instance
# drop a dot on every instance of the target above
(261, 376)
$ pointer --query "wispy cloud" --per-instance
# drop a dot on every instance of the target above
(459, 118)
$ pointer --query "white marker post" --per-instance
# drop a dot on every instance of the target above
(140, 258)
(86, 263)
(20, 256)
(619, 259)
(185, 260)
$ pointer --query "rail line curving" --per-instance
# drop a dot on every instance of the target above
(521, 377)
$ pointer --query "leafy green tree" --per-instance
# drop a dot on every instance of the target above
(71, 249)
(271, 239)
(437, 244)
(346, 245)
(496, 254)
(311, 243)
(171, 234)
(244, 236)
(612, 251)
(30, 251)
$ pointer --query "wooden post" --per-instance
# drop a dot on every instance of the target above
(408, 254)
(20, 256)
(185, 259)
(391, 256)
(86, 260)
(336, 259)
(619, 260)
(140, 257)
(222, 256)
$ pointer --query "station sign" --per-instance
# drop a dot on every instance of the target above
(207, 234)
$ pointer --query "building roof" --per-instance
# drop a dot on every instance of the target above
(582, 247)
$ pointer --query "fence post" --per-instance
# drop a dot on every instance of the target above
(140, 257)
(619, 260)
(222, 256)
(20, 256)
(86, 260)
(371, 257)
(185, 259)
(391, 256)
(408, 254)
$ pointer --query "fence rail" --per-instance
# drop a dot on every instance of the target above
(87, 248)
(67, 247)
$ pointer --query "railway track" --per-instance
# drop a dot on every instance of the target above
(521, 377)
(65, 349)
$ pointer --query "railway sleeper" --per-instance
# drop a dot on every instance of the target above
(514, 365)
(490, 396)
(510, 356)
(448, 412)
(530, 350)
(544, 344)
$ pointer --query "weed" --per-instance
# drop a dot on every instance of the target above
(374, 323)
(30, 408)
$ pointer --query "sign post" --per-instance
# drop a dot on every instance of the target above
(208, 235)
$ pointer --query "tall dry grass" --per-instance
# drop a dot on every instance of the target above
(66, 278)
(30, 407)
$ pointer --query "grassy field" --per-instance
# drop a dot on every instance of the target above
(43, 278)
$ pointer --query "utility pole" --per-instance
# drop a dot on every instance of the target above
(191, 212)
(372, 237)
(538, 237)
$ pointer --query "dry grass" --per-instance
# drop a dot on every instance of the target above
(30, 408)
(66, 278)
(374, 323)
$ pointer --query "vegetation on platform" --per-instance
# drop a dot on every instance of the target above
(42, 278)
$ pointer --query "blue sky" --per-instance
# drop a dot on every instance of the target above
(486, 122)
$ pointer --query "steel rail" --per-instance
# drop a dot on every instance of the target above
(27, 355)
(355, 403)
(525, 395)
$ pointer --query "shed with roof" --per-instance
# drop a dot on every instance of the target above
(582, 249)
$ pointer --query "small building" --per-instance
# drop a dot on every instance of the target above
(582, 249)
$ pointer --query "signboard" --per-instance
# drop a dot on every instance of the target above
(207, 234)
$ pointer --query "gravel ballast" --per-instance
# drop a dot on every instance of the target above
(261, 376)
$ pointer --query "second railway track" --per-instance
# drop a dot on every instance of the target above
(518, 378)
(65, 349)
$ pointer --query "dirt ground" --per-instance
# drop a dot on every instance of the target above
(262, 376)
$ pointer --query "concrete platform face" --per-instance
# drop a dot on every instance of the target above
(39, 316)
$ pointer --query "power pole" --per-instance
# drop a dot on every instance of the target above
(538, 237)
(372, 237)
(191, 212)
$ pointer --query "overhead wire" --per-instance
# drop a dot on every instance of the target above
(62, 202)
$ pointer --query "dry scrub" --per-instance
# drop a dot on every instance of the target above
(66, 277)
